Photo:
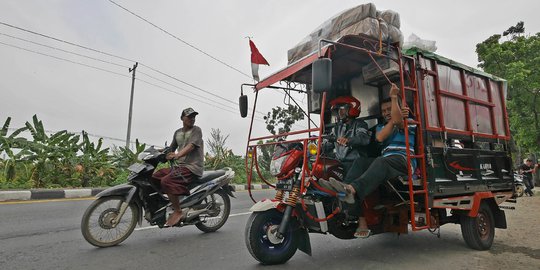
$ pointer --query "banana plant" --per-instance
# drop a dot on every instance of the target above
(123, 157)
(8, 144)
(93, 164)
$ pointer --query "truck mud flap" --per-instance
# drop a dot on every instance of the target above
(500, 218)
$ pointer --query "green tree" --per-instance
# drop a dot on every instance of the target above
(280, 120)
(517, 59)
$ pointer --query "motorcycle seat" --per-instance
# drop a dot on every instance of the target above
(209, 175)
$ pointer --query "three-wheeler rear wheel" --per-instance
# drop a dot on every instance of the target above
(262, 241)
(479, 231)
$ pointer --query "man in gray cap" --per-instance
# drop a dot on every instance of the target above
(187, 148)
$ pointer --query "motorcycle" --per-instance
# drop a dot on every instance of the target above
(112, 217)
(519, 186)
(277, 227)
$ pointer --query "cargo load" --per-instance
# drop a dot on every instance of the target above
(363, 19)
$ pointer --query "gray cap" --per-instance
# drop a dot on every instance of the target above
(188, 112)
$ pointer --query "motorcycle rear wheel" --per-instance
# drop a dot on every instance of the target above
(219, 213)
(96, 224)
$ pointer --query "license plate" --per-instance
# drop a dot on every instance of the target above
(284, 185)
(136, 168)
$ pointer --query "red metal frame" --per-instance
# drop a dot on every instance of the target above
(420, 155)
(290, 70)
(467, 102)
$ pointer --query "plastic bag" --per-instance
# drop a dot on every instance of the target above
(415, 41)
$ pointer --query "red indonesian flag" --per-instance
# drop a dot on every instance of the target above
(256, 60)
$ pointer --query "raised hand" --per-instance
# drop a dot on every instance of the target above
(394, 90)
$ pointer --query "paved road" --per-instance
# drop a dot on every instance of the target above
(46, 235)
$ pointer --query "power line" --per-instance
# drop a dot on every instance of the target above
(183, 89)
(181, 40)
(100, 60)
(116, 73)
(63, 59)
(194, 86)
(119, 57)
(66, 42)
(180, 94)
(62, 50)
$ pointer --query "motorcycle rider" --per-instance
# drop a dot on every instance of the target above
(352, 137)
(393, 161)
(187, 147)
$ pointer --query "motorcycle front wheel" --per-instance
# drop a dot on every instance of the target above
(98, 223)
(261, 239)
(520, 190)
(220, 207)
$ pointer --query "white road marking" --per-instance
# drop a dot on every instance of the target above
(154, 227)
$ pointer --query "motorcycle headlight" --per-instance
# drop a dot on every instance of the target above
(276, 164)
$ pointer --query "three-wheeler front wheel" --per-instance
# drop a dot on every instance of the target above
(262, 240)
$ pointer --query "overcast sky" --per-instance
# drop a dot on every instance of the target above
(71, 96)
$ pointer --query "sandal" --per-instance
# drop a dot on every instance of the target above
(172, 222)
(362, 233)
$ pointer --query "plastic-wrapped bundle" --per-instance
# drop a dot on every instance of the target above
(391, 17)
(415, 41)
(363, 19)
(369, 26)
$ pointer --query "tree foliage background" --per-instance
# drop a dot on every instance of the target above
(515, 57)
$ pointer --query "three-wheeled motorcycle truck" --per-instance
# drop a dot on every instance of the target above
(463, 173)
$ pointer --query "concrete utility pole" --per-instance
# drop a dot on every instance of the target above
(131, 103)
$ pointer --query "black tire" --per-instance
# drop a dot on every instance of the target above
(220, 212)
(479, 231)
(96, 227)
(261, 246)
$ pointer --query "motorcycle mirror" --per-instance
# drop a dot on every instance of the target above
(321, 76)
(243, 102)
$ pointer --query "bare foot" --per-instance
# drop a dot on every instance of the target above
(174, 218)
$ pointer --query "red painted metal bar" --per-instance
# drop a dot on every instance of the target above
(290, 70)
(288, 141)
(434, 129)
(465, 98)
(420, 148)
(259, 172)
(284, 134)
(250, 175)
